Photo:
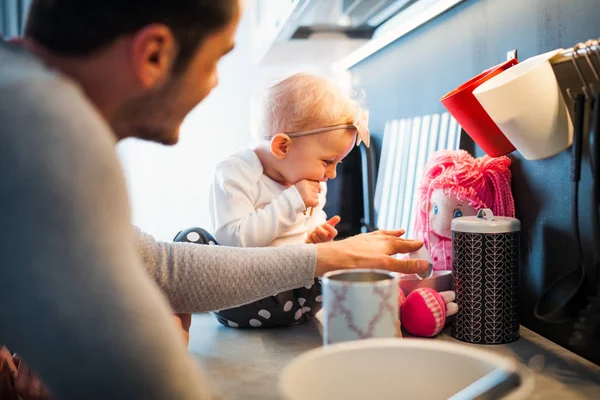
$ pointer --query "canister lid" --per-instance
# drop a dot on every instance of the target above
(486, 222)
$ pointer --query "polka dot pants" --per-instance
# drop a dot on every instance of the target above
(283, 309)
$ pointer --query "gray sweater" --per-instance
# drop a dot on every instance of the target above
(76, 299)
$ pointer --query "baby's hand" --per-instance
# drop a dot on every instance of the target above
(451, 306)
(309, 191)
(325, 232)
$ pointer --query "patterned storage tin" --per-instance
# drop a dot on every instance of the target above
(486, 259)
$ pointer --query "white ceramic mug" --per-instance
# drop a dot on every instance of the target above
(360, 304)
(526, 103)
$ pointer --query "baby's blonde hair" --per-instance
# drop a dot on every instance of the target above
(304, 101)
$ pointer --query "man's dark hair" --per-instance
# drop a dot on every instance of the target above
(80, 27)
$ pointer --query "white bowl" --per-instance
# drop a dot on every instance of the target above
(382, 369)
(526, 103)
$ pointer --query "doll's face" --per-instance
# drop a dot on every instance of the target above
(443, 209)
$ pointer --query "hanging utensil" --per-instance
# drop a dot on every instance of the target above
(594, 145)
(586, 329)
(565, 298)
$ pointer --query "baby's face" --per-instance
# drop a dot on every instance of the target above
(315, 157)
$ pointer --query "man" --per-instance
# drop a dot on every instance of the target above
(76, 302)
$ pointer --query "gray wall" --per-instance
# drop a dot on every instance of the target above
(408, 78)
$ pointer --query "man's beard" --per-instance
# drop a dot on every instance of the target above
(165, 136)
(149, 117)
(145, 131)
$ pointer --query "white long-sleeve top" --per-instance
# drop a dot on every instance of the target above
(249, 209)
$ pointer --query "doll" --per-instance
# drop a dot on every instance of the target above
(454, 184)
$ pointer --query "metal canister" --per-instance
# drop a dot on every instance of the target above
(485, 264)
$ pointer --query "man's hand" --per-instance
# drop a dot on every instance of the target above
(29, 385)
(183, 321)
(18, 381)
(25, 383)
(370, 250)
(324, 233)
(309, 191)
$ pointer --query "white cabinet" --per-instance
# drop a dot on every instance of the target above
(269, 18)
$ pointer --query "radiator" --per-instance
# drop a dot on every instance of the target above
(407, 146)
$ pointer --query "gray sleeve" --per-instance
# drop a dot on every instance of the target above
(199, 278)
(75, 300)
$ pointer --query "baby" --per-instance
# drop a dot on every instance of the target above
(274, 194)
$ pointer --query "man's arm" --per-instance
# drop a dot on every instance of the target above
(198, 278)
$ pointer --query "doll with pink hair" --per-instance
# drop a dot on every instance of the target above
(454, 184)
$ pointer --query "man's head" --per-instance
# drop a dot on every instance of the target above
(145, 63)
(295, 107)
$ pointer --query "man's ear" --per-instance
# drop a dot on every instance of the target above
(153, 53)
(280, 145)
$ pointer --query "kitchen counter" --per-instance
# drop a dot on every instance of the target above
(245, 364)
